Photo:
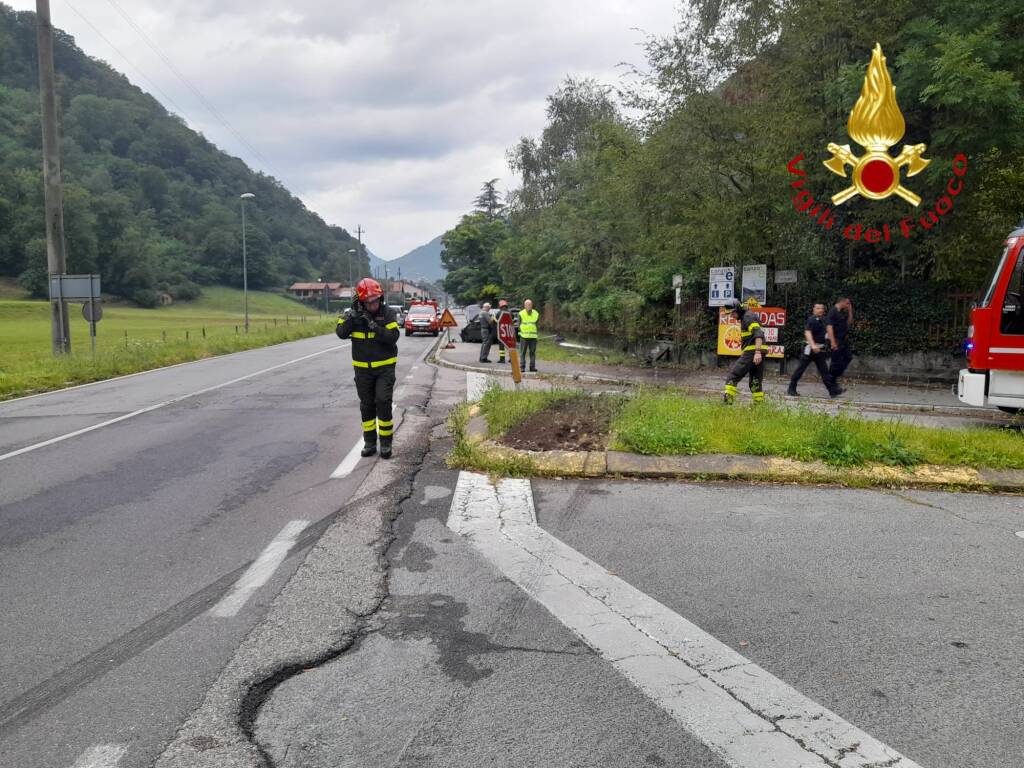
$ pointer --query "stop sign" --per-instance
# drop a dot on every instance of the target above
(507, 330)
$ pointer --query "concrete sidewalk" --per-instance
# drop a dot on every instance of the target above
(928, 398)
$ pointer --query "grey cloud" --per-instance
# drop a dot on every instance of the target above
(385, 112)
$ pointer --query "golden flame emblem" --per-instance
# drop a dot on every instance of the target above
(876, 123)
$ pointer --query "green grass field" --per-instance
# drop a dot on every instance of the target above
(130, 339)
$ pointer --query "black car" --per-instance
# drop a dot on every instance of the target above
(470, 332)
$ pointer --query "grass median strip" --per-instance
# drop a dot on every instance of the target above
(669, 422)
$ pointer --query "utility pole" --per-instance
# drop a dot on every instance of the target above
(359, 234)
(56, 256)
(245, 258)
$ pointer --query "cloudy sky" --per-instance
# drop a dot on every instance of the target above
(385, 113)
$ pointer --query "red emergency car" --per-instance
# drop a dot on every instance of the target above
(422, 318)
(995, 340)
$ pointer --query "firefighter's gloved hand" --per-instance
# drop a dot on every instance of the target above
(371, 326)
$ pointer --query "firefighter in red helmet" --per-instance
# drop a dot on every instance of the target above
(502, 310)
(373, 328)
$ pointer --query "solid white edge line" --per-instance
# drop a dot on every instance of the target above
(348, 464)
(747, 716)
(257, 574)
(101, 756)
(172, 401)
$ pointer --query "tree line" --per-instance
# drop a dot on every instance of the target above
(149, 204)
(683, 166)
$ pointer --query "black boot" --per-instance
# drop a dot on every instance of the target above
(369, 445)
(385, 447)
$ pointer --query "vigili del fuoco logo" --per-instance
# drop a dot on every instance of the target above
(877, 124)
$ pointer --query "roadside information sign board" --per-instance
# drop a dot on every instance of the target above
(721, 285)
(755, 282)
(785, 277)
(730, 340)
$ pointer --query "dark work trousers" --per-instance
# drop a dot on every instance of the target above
(486, 340)
(744, 366)
(501, 352)
(841, 358)
(821, 361)
(527, 345)
(375, 387)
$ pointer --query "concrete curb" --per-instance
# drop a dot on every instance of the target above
(938, 410)
(742, 467)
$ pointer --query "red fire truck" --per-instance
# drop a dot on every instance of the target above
(995, 341)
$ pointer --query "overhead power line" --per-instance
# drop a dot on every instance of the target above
(131, 63)
(186, 82)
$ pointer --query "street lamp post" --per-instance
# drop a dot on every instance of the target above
(245, 259)
(350, 258)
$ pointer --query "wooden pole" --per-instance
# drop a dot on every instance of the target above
(56, 257)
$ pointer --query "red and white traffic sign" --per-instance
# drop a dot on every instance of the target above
(507, 330)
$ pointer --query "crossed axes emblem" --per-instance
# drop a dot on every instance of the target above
(883, 172)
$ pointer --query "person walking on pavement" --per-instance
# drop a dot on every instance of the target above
(502, 310)
(528, 318)
(751, 359)
(814, 352)
(373, 328)
(487, 329)
(837, 327)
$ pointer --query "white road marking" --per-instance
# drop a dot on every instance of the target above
(399, 393)
(349, 462)
(476, 385)
(260, 571)
(165, 403)
(748, 717)
(101, 756)
(1021, 534)
(409, 376)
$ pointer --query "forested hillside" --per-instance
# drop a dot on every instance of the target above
(615, 201)
(149, 204)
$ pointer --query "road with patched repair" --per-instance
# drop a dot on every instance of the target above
(189, 587)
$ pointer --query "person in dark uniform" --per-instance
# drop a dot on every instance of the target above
(502, 310)
(751, 359)
(837, 327)
(373, 328)
(488, 332)
(816, 339)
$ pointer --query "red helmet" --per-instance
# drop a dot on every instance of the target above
(502, 304)
(368, 289)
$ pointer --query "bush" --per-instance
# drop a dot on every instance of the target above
(186, 291)
(146, 297)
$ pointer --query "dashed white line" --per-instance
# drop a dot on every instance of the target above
(260, 571)
(348, 464)
(165, 403)
(747, 716)
(101, 756)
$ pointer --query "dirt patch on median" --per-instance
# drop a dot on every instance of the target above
(579, 424)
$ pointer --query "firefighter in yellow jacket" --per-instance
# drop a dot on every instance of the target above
(751, 359)
(373, 328)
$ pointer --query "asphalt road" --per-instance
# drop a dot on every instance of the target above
(899, 612)
(117, 541)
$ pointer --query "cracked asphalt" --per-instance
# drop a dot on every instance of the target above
(387, 639)
(460, 668)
